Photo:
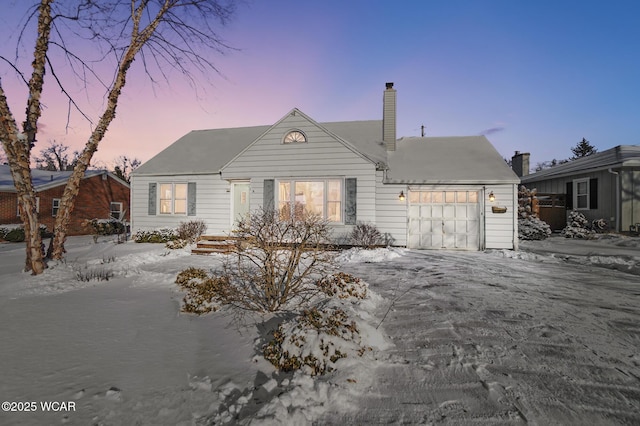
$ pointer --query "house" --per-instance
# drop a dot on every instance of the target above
(102, 195)
(604, 185)
(421, 192)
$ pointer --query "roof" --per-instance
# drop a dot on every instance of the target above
(616, 157)
(447, 160)
(208, 151)
(455, 160)
(45, 179)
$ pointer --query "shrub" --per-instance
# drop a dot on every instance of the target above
(15, 232)
(104, 227)
(191, 231)
(577, 226)
(202, 291)
(343, 286)
(366, 235)
(176, 244)
(533, 228)
(313, 341)
(161, 235)
(282, 263)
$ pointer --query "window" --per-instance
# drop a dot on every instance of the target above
(318, 197)
(581, 194)
(294, 136)
(55, 206)
(37, 206)
(116, 210)
(173, 198)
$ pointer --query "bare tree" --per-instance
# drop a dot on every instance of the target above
(173, 33)
(123, 166)
(55, 157)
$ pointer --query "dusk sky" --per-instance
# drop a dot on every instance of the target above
(534, 76)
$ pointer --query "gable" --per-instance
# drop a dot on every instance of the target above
(322, 152)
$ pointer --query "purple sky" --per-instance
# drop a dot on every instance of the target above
(534, 76)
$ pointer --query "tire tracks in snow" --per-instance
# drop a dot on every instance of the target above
(481, 338)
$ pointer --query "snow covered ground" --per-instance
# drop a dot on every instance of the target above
(546, 335)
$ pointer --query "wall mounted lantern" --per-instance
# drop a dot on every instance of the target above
(401, 196)
(492, 197)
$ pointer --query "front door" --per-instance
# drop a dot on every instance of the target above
(240, 192)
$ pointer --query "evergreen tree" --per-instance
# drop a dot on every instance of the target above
(583, 149)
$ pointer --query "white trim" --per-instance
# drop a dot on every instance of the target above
(576, 182)
(53, 206)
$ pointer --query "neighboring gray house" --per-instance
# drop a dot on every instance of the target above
(602, 185)
(429, 192)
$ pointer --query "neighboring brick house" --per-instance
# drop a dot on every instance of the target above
(102, 195)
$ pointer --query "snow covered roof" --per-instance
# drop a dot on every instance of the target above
(619, 156)
(455, 160)
(208, 151)
(447, 160)
(44, 179)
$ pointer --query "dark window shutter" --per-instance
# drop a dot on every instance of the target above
(191, 199)
(569, 194)
(268, 195)
(153, 196)
(351, 192)
(593, 194)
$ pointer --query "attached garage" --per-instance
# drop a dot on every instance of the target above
(444, 219)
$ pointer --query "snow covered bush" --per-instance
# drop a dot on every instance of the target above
(314, 341)
(202, 291)
(343, 286)
(577, 226)
(192, 230)
(281, 264)
(533, 228)
(15, 232)
(530, 226)
(104, 227)
(366, 235)
(161, 235)
(176, 244)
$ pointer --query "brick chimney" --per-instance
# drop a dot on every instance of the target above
(520, 163)
(389, 117)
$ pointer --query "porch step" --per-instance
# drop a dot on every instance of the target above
(208, 244)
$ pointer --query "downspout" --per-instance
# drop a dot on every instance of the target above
(618, 218)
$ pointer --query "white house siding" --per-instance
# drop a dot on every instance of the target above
(322, 156)
(606, 193)
(212, 203)
(500, 229)
(391, 213)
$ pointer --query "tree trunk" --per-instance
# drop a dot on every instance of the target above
(67, 202)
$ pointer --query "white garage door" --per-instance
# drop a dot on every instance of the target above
(444, 219)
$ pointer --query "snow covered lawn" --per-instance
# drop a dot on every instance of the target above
(546, 335)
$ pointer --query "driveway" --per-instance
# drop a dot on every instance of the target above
(486, 338)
